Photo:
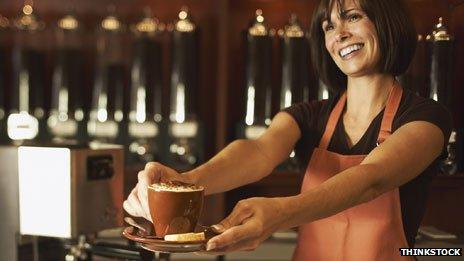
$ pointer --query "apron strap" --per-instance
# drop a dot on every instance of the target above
(393, 103)
(332, 122)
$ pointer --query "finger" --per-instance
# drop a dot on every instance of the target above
(240, 213)
(132, 205)
(246, 245)
(233, 236)
(152, 173)
(142, 196)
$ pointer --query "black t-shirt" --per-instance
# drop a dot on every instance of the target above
(312, 118)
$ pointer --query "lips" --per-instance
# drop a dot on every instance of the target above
(344, 52)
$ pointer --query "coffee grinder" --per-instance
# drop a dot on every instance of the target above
(66, 117)
(295, 72)
(258, 96)
(440, 45)
(26, 116)
(106, 119)
(185, 129)
(145, 116)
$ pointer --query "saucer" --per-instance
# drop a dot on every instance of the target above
(154, 244)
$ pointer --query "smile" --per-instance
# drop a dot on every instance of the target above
(350, 49)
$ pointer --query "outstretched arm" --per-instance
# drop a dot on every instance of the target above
(240, 163)
(246, 161)
(403, 156)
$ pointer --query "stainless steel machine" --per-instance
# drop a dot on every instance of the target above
(64, 191)
(185, 131)
(258, 97)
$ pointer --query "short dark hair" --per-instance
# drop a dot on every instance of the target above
(396, 34)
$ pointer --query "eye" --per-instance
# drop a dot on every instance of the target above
(328, 27)
(354, 17)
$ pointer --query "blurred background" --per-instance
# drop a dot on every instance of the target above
(175, 82)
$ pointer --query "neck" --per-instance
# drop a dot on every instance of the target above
(368, 95)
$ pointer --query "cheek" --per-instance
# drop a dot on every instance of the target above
(329, 42)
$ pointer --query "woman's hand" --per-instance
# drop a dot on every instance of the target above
(137, 201)
(251, 222)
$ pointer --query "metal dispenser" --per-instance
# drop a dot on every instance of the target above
(440, 45)
(185, 128)
(258, 79)
(66, 118)
(295, 71)
(106, 119)
(146, 91)
(295, 64)
(4, 24)
(26, 117)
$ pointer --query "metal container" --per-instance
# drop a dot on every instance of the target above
(185, 127)
(66, 118)
(184, 70)
(145, 105)
(258, 73)
(26, 118)
(440, 45)
(295, 72)
(295, 64)
(107, 109)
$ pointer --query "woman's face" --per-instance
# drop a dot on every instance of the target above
(351, 39)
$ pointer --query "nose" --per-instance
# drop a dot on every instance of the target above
(342, 34)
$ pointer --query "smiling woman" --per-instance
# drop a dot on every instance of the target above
(382, 25)
(370, 151)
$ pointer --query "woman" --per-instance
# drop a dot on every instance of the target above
(371, 150)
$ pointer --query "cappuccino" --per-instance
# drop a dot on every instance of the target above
(175, 207)
(175, 187)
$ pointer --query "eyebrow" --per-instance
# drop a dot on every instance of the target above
(342, 15)
(344, 12)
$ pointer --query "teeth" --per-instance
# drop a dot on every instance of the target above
(345, 51)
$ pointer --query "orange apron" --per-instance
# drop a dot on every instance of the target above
(369, 231)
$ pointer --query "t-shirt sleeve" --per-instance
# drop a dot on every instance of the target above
(433, 112)
(305, 114)
(308, 117)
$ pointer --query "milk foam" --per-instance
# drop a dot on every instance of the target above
(173, 187)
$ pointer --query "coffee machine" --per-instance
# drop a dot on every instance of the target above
(185, 128)
(295, 72)
(258, 96)
(66, 191)
(440, 45)
(66, 117)
(107, 121)
(26, 116)
(146, 90)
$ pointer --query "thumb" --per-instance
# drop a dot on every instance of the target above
(156, 172)
(240, 213)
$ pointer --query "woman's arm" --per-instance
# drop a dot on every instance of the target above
(403, 156)
(246, 161)
(240, 163)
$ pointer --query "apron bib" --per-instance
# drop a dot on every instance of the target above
(369, 231)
